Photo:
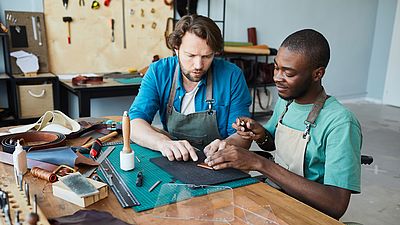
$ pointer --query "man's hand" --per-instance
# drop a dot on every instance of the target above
(214, 146)
(249, 129)
(234, 157)
(179, 150)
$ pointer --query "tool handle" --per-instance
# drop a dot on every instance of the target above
(96, 148)
(126, 133)
(102, 139)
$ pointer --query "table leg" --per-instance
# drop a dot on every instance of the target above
(84, 105)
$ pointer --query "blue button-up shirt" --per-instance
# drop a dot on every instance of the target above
(230, 92)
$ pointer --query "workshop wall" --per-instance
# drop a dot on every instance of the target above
(358, 31)
(91, 49)
(348, 25)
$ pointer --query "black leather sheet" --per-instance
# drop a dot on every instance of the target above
(188, 172)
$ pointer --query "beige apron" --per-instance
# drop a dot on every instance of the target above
(199, 128)
(291, 144)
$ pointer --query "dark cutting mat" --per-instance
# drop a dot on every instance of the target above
(188, 172)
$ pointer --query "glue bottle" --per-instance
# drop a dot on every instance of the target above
(19, 160)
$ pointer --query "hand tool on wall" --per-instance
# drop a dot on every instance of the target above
(68, 20)
(95, 5)
(127, 156)
(107, 2)
(65, 4)
(123, 22)
(112, 30)
(39, 30)
(34, 27)
(81, 2)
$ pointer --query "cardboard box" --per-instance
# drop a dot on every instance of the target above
(60, 190)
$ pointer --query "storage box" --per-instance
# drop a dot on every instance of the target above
(62, 191)
(35, 100)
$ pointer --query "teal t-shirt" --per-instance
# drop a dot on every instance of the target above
(333, 153)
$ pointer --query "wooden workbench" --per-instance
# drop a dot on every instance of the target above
(286, 209)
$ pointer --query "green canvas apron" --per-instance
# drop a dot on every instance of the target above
(199, 128)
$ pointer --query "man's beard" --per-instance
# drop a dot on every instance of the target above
(187, 73)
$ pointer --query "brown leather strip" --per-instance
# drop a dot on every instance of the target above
(8, 159)
(33, 140)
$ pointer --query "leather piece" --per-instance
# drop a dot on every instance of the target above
(61, 156)
(32, 140)
(88, 217)
(189, 173)
(7, 158)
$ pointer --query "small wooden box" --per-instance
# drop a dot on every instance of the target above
(62, 191)
(35, 100)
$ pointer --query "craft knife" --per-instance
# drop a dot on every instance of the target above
(100, 159)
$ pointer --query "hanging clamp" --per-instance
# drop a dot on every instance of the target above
(210, 102)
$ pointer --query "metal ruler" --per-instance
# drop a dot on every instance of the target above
(100, 159)
(114, 180)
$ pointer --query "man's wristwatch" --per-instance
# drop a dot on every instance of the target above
(262, 141)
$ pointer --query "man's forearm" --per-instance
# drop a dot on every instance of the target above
(235, 139)
(328, 199)
(143, 134)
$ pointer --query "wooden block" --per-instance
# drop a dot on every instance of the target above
(31, 74)
(60, 190)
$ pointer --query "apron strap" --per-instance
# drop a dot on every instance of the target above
(316, 109)
(209, 98)
(172, 92)
(312, 116)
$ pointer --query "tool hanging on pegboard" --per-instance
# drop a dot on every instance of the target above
(68, 20)
(95, 5)
(112, 30)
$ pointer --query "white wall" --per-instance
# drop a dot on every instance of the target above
(380, 50)
(348, 26)
(357, 30)
(392, 91)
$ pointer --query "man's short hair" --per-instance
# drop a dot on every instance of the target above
(311, 44)
(203, 27)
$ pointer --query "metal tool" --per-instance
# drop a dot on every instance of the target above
(34, 27)
(154, 185)
(65, 4)
(112, 30)
(81, 2)
(100, 159)
(27, 194)
(39, 30)
(124, 195)
(35, 204)
(123, 22)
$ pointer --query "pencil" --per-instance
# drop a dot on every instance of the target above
(154, 185)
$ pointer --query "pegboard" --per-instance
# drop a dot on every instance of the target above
(91, 48)
(27, 33)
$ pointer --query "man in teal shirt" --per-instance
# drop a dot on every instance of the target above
(197, 95)
(316, 140)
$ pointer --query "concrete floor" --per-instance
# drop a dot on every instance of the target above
(379, 201)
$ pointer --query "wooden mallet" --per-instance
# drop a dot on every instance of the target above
(68, 20)
(127, 157)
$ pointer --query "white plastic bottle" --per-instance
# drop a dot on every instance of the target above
(19, 160)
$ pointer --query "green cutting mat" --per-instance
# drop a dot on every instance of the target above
(152, 173)
(134, 80)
